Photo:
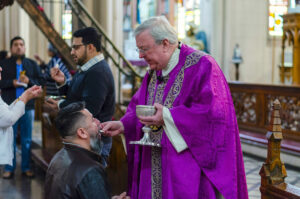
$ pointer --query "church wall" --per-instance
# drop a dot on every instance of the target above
(246, 23)
(14, 21)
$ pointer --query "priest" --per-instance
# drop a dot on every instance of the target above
(195, 123)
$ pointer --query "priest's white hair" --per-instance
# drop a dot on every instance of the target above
(159, 28)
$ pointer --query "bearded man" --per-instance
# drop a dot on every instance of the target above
(76, 170)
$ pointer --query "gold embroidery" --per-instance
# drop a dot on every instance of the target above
(151, 88)
(156, 174)
(156, 170)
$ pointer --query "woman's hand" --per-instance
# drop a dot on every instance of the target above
(32, 92)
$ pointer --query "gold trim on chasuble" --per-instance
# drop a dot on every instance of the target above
(156, 171)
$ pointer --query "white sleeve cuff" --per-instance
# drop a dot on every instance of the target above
(59, 86)
(59, 102)
(172, 132)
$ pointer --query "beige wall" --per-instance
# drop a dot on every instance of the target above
(110, 16)
(225, 22)
(14, 21)
(244, 22)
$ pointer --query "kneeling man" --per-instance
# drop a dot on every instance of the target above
(76, 171)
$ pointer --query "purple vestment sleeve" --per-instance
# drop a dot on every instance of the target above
(199, 100)
(205, 117)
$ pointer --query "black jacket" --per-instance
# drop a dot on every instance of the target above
(94, 86)
(9, 73)
(75, 172)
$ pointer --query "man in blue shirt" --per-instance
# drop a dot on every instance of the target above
(20, 73)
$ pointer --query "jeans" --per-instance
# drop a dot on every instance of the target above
(26, 124)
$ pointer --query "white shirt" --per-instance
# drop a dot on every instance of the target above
(8, 117)
(170, 128)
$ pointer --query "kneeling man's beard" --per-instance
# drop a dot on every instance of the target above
(96, 144)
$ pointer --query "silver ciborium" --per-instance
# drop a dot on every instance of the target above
(144, 110)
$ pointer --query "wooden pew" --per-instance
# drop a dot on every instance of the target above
(273, 171)
(252, 106)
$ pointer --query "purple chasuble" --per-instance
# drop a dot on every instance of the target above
(198, 97)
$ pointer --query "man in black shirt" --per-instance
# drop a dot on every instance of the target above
(76, 171)
(93, 83)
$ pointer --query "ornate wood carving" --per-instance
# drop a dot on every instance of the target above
(252, 106)
(273, 171)
(245, 104)
(291, 31)
(290, 112)
(42, 22)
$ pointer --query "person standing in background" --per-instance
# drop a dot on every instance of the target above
(93, 83)
(55, 61)
(20, 73)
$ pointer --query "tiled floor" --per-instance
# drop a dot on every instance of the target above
(22, 188)
(252, 168)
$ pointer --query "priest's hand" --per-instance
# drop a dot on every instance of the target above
(112, 128)
(121, 196)
(156, 120)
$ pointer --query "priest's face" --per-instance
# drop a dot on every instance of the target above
(154, 54)
(0, 72)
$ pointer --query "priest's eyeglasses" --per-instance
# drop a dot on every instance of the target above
(145, 50)
(142, 51)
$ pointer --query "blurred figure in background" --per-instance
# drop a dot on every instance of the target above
(55, 61)
(4, 55)
(9, 114)
(93, 83)
(19, 74)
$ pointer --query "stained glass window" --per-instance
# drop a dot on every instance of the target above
(277, 8)
(188, 13)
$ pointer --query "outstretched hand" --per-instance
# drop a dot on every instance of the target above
(156, 120)
(57, 75)
(121, 196)
(112, 128)
(32, 92)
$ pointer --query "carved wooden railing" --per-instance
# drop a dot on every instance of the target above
(252, 105)
(43, 23)
(273, 171)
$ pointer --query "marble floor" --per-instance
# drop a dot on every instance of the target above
(21, 187)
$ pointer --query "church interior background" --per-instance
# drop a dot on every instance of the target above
(251, 40)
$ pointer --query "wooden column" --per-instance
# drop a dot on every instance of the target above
(273, 170)
(291, 26)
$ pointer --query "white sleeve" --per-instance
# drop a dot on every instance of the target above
(9, 115)
(172, 132)
(59, 86)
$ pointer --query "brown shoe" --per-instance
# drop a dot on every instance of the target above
(28, 174)
(7, 175)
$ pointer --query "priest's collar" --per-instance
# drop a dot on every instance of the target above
(91, 62)
(172, 62)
